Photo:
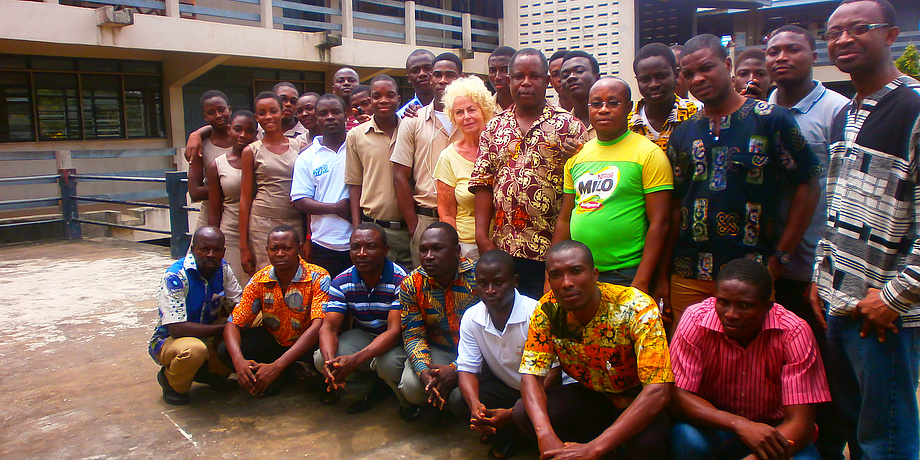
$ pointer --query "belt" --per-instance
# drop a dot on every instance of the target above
(391, 224)
(430, 212)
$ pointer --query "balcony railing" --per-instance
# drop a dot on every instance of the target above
(380, 20)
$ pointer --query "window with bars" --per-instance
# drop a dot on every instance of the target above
(55, 99)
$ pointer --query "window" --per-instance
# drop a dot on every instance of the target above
(55, 99)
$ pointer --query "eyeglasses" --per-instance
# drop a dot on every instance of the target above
(596, 105)
(292, 100)
(855, 30)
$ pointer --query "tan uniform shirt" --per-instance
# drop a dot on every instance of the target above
(419, 143)
(367, 163)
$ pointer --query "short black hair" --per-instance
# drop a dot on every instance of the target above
(497, 257)
(330, 96)
(451, 232)
(210, 94)
(243, 113)
(569, 245)
(705, 41)
(581, 54)
(558, 55)
(748, 271)
(268, 95)
(359, 89)
(284, 84)
(655, 50)
(373, 226)
(750, 53)
(530, 52)
(310, 93)
(449, 57)
(506, 51)
(418, 52)
(284, 229)
(792, 28)
(888, 13)
(385, 77)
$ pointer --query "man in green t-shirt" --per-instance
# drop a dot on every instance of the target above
(617, 192)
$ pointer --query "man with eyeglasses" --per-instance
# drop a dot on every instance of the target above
(727, 161)
(579, 72)
(619, 180)
(419, 143)
(867, 271)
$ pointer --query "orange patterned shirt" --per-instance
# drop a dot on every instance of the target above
(622, 348)
(285, 314)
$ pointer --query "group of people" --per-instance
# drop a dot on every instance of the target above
(729, 276)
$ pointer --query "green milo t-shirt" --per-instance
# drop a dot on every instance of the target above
(610, 181)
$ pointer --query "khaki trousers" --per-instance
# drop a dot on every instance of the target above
(183, 357)
(423, 223)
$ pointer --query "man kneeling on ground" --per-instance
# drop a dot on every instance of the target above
(192, 295)
(492, 336)
(290, 294)
(369, 290)
(610, 339)
(748, 374)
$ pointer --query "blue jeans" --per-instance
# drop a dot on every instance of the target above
(880, 377)
(698, 443)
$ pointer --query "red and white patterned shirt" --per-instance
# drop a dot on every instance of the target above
(781, 367)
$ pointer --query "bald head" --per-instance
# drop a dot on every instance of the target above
(207, 234)
(611, 120)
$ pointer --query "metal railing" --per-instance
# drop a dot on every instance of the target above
(897, 48)
(176, 184)
(394, 21)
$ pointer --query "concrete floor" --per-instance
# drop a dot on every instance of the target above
(76, 380)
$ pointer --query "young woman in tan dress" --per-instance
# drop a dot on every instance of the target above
(224, 176)
(265, 188)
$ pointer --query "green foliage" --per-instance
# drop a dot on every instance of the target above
(909, 62)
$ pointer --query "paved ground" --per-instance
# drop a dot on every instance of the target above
(76, 381)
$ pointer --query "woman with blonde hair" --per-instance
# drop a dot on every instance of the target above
(469, 105)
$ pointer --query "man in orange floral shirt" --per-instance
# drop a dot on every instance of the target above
(290, 294)
(610, 339)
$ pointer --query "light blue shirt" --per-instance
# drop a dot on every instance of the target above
(815, 115)
(414, 101)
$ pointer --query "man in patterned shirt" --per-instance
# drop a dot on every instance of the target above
(728, 160)
(194, 293)
(369, 291)
(610, 339)
(290, 294)
(517, 176)
(660, 110)
(434, 297)
(867, 269)
(747, 373)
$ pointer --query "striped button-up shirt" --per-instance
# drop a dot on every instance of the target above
(431, 312)
(781, 367)
(873, 189)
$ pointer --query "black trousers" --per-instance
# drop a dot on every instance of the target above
(578, 414)
(335, 262)
(494, 394)
(256, 344)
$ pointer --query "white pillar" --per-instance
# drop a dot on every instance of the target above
(410, 22)
(266, 14)
(348, 19)
(172, 8)
(467, 22)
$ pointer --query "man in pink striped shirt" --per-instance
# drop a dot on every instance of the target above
(747, 374)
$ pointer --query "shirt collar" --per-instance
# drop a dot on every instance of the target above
(807, 102)
(386, 276)
(635, 117)
(318, 145)
(465, 266)
(267, 275)
(519, 314)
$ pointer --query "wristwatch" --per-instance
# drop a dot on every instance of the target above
(783, 257)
